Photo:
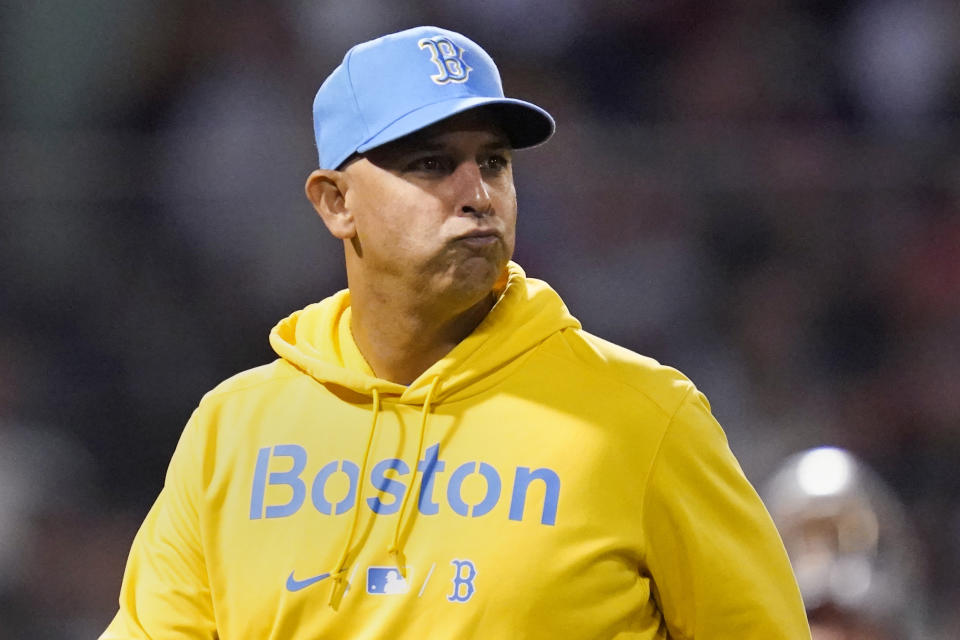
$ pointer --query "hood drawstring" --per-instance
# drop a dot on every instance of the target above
(396, 549)
(339, 584)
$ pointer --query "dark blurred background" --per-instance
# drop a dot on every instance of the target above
(762, 193)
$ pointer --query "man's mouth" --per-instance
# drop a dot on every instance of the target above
(479, 238)
(479, 233)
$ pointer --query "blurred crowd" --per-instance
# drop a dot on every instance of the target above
(762, 193)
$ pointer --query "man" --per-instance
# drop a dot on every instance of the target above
(440, 451)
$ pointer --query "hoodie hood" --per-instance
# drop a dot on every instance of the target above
(318, 341)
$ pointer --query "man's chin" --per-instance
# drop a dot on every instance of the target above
(472, 278)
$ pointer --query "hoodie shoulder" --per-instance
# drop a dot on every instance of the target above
(269, 374)
(621, 369)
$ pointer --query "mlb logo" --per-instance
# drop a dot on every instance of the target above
(386, 581)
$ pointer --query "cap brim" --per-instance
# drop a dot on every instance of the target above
(525, 124)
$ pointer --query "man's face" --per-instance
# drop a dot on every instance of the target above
(437, 208)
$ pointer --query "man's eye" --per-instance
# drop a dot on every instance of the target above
(430, 164)
(496, 162)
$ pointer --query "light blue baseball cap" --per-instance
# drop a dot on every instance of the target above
(402, 82)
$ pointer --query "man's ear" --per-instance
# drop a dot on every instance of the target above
(327, 191)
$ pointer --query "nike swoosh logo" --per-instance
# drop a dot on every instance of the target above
(295, 585)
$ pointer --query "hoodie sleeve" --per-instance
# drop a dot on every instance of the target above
(718, 565)
(165, 591)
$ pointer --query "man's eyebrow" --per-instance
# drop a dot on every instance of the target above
(430, 144)
(501, 142)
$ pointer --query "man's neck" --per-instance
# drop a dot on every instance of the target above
(400, 341)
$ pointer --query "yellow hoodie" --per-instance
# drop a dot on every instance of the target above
(537, 482)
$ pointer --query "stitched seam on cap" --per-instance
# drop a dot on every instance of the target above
(353, 92)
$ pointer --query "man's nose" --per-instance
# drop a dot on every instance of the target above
(472, 192)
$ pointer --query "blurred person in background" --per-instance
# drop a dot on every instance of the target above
(852, 547)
